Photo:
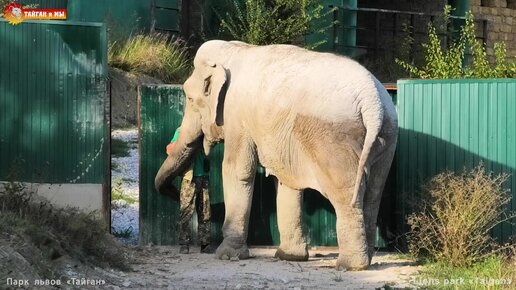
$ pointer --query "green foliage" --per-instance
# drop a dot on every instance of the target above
(451, 62)
(475, 276)
(155, 55)
(264, 22)
(118, 194)
(457, 211)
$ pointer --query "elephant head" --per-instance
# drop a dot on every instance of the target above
(202, 121)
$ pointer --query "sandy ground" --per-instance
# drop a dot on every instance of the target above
(164, 268)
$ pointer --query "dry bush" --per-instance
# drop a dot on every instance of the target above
(457, 212)
(58, 231)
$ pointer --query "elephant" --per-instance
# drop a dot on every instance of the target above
(313, 120)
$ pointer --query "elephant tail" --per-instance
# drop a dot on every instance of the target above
(372, 115)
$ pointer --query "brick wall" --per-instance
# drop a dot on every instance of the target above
(501, 25)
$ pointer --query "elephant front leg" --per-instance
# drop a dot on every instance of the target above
(289, 205)
(238, 169)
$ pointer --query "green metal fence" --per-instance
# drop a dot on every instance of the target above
(123, 17)
(53, 95)
(454, 124)
(161, 110)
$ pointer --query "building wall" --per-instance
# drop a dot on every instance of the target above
(501, 26)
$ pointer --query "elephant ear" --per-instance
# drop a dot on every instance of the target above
(215, 90)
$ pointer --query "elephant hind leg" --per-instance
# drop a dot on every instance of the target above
(351, 234)
(373, 195)
(289, 206)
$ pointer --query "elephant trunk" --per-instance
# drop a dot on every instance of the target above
(176, 164)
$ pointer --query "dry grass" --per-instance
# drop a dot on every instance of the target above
(58, 232)
(156, 55)
(457, 213)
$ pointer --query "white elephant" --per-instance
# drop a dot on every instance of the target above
(313, 120)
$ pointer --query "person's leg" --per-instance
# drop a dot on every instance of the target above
(203, 213)
(185, 215)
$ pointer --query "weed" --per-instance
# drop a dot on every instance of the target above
(264, 22)
(156, 55)
(457, 212)
(450, 62)
(482, 275)
(118, 194)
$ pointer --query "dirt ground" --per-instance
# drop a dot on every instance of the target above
(164, 268)
(161, 267)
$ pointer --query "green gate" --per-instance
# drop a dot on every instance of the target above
(454, 124)
(160, 113)
(53, 101)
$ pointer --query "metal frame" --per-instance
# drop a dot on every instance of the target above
(378, 30)
(153, 9)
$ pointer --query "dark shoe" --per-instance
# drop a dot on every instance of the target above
(207, 249)
(184, 249)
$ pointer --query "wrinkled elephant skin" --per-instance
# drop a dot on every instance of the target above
(313, 120)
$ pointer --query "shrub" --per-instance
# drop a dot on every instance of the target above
(58, 232)
(451, 62)
(155, 55)
(457, 212)
(264, 22)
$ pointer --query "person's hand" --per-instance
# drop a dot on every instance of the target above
(169, 148)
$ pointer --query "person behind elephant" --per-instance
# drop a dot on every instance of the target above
(194, 196)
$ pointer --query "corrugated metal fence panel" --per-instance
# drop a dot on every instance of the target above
(161, 109)
(122, 17)
(455, 124)
(52, 96)
(167, 16)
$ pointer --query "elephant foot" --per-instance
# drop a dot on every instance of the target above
(228, 250)
(293, 253)
(352, 262)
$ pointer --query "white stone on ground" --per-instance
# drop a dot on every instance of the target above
(124, 217)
